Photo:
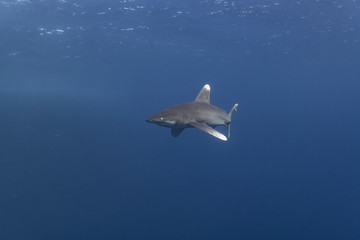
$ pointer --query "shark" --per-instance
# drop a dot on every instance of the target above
(200, 114)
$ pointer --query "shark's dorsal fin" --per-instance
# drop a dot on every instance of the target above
(204, 94)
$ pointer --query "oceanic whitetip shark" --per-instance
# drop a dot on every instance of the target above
(200, 114)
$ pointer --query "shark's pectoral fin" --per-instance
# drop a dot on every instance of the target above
(209, 130)
(176, 131)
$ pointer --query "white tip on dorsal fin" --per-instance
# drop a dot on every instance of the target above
(204, 94)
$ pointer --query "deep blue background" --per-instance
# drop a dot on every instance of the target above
(78, 79)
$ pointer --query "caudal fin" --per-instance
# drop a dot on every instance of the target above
(234, 108)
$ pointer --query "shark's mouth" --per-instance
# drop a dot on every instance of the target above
(166, 123)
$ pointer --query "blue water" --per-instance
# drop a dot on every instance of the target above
(78, 78)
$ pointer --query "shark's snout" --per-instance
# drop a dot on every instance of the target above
(154, 118)
(161, 120)
(149, 120)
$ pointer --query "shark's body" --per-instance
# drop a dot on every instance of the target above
(200, 114)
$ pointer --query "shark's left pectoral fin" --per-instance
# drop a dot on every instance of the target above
(176, 131)
(209, 130)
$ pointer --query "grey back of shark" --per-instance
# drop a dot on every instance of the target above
(200, 114)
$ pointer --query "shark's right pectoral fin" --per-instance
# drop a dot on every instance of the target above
(209, 130)
(176, 131)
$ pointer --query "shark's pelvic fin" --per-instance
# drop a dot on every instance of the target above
(176, 131)
(204, 94)
(234, 108)
(209, 130)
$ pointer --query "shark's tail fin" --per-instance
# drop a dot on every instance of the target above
(234, 108)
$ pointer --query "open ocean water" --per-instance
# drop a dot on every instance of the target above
(78, 78)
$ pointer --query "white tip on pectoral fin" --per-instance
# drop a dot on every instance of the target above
(209, 130)
(219, 135)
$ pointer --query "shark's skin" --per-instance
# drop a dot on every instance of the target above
(200, 114)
